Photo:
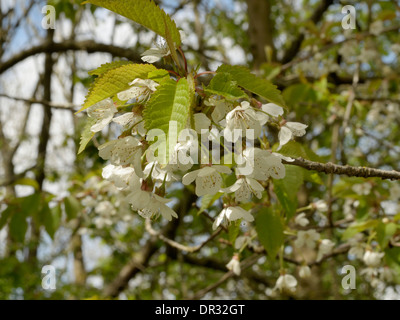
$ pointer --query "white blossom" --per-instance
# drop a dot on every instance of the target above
(321, 206)
(376, 27)
(325, 247)
(105, 207)
(102, 222)
(368, 54)
(221, 108)
(260, 164)
(286, 282)
(140, 90)
(201, 121)
(289, 130)
(369, 272)
(396, 48)
(122, 152)
(244, 240)
(234, 265)
(89, 201)
(301, 220)
(184, 155)
(208, 179)
(244, 188)
(395, 192)
(183, 36)
(348, 208)
(158, 173)
(272, 109)
(232, 214)
(307, 239)
(118, 175)
(241, 118)
(305, 272)
(103, 112)
(386, 274)
(154, 54)
(373, 259)
(105, 210)
(150, 205)
(357, 246)
(362, 188)
(131, 120)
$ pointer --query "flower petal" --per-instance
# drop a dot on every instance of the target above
(201, 121)
(284, 136)
(222, 169)
(189, 177)
(272, 109)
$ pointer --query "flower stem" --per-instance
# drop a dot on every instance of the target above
(174, 73)
(203, 73)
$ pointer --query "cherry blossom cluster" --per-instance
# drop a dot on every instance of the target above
(145, 179)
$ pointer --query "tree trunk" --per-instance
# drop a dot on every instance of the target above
(260, 31)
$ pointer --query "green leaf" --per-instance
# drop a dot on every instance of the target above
(384, 232)
(208, 200)
(159, 75)
(270, 231)
(286, 189)
(171, 102)
(51, 219)
(108, 66)
(114, 81)
(30, 205)
(144, 12)
(170, 43)
(358, 227)
(294, 149)
(312, 177)
(18, 225)
(392, 255)
(28, 182)
(72, 207)
(298, 93)
(223, 85)
(252, 83)
(233, 231)
(5, 215)
(86, 135)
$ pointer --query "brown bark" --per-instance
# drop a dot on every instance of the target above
(364, 172)
(79, 266)
(315, 18)
(43, 141)
(89, 46)
(260, 30)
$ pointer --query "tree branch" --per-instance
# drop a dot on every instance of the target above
(49, 104)
(364, 172)
(315, 18)
(89, 46)
(359, 36)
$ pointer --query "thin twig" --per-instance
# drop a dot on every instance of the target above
(177, 245)
(49, 104)
(243, 266)
(357, 36)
